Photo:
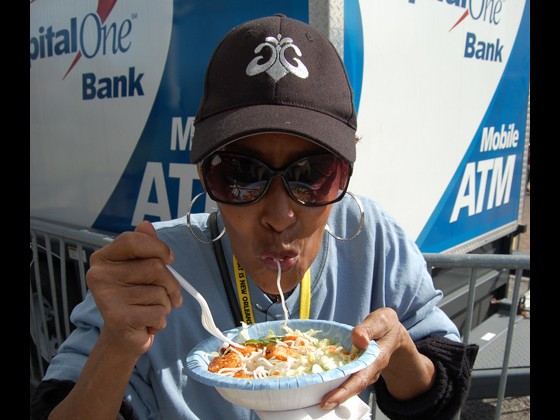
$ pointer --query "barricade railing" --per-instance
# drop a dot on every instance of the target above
(513, 262)
(54, 246)
(54, 250)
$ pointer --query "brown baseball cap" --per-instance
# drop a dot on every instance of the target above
(276, 74)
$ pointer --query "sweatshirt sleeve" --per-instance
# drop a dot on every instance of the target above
(453, 362)
(50, 393)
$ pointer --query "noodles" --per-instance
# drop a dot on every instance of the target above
(294, 354)
(284, 308)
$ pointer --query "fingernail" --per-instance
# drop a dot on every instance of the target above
(329, 405)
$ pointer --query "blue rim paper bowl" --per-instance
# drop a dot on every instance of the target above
(285, 393)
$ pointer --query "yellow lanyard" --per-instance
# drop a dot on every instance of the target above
(244, 297)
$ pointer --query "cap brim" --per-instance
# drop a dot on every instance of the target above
(225, 127)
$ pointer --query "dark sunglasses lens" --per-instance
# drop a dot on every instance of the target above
(319, 179)
(234, 179)
(314, 180)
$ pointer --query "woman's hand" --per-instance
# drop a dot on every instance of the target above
(133, 289)
(406, 372)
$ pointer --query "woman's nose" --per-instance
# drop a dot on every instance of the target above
(278, 212)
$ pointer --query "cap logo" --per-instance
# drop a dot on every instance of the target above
(277, 66)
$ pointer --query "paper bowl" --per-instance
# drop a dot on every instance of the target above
(279, 394)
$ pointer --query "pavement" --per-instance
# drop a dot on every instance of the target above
(513, 408)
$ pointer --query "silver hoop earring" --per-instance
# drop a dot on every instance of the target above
(217, 238)
(362, 221)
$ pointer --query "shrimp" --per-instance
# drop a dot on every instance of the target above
(228, 360)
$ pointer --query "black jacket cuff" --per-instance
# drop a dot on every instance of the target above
(453, 362)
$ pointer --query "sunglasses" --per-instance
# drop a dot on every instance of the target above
(315, 180)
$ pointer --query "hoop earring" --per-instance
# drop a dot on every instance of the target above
(217, 238)
(362, 221)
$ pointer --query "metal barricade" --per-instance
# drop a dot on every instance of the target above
(59, 260)
(514, 262)
(55, 249)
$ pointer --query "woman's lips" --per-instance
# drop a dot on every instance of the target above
(286, 262)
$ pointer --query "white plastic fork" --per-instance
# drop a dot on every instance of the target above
(206, 316)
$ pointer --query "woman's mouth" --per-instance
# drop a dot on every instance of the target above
(286, 262)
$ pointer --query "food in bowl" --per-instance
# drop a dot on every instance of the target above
(278, 393)
(294, 353)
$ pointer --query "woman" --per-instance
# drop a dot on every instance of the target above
(275, 145)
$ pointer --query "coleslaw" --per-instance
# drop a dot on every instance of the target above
(294, 354)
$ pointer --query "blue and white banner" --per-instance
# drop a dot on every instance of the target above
(115, 85)
(441, 88)
(443, 94)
